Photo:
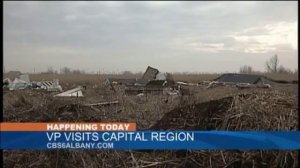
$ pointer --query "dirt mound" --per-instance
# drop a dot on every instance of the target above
(255, 111)
(193, 117)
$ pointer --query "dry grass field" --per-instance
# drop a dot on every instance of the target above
(219, 108)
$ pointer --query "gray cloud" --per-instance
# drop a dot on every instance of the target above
(173, 36)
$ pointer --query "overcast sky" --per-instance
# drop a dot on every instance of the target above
(171, 36)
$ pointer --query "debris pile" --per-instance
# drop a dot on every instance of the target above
(51, 86)
(22, 82)
(152, 82)
(243, 78)
(71, 93)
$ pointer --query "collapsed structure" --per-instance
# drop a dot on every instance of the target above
(234, 78)
(51, 86)
(22, 81)
(241, 81)
(153, 81)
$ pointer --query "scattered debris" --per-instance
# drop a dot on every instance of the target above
(18, 84)
(140, 95)
(171, 92)
(71, 93)
(187, 84)
(157, 83)
(150, 73)
(51, 86)
(152, 81)
(24, 77)
(248, 85)
(103, 103)
(23, 82)
(238, 85)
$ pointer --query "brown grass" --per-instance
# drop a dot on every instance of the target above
(263, 110)
(260, 110)
(286, 77)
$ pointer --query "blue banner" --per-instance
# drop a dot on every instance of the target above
(244, 140)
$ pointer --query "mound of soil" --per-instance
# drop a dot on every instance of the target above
(252, 111)
(193, 117)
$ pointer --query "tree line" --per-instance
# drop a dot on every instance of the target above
(64, 70)
(271, 65)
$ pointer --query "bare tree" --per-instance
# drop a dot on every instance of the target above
(65, 70)
(78, 71)
(126, 73)
(50, 70)
(246, 69)
(272, 64)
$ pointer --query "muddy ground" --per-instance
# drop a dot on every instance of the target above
(219, 108)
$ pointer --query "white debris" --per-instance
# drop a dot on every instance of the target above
(161, 76)
(55, 86)
(186, 84)
(103, 103)
(173, 93)
(25, 78)
(18, 84)
(267, 85)
(214, 83)
(140, 95)
(71, 93)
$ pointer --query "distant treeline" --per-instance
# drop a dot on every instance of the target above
(64, 70)
(272, 66)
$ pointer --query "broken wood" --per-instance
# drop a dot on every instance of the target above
(103, 103)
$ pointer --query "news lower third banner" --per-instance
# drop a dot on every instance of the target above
(104, 136)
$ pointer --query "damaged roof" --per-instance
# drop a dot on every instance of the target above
(151, 77)
(150, 73)
(242, 78)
